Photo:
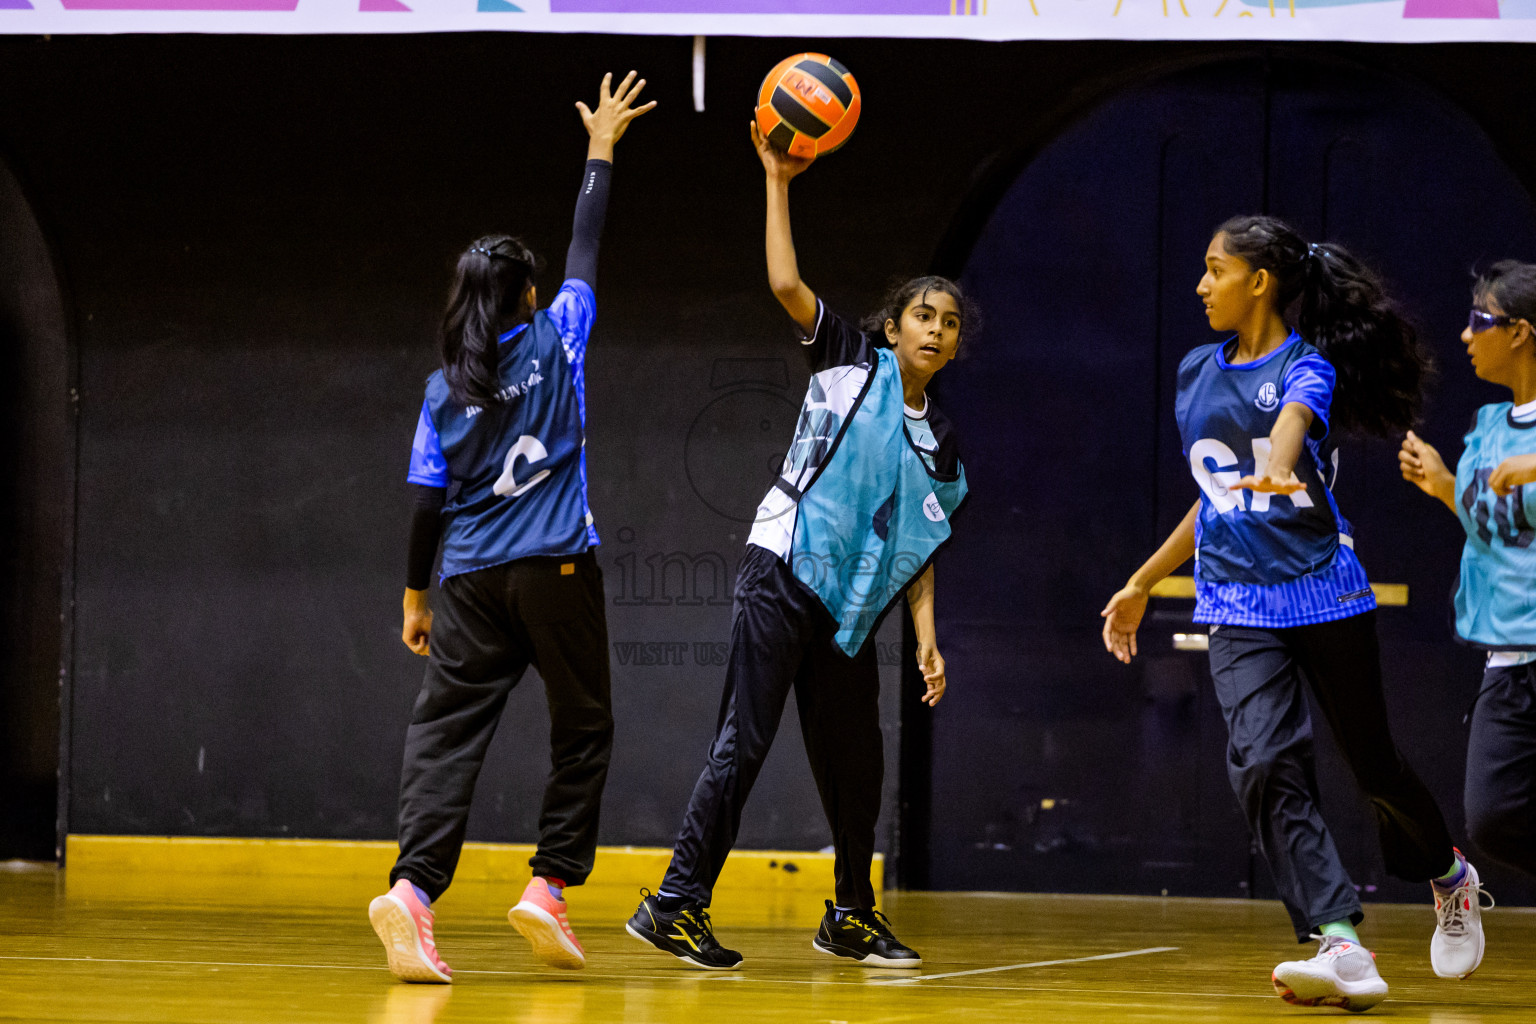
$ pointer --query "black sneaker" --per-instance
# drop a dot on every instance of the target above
(865, 936)
(685, 933)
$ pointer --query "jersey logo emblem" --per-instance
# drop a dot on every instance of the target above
(932, 509)
(1269, 398)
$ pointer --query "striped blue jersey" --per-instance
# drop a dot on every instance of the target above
(1265, 560)
(520, 462)
(1496, 595)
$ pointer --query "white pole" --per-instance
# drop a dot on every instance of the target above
(698, 74)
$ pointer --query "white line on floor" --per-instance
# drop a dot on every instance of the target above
(193, 963)
(1037, 963)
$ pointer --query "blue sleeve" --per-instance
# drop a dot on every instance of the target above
(428, 466)
(573, 311)
(1309, 381)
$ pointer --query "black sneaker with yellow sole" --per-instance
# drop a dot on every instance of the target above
(865, 936)
(685, 933)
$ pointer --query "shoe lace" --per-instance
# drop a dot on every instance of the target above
(1330, 943)
(871, 921)
(699, 918)
(1454, 907)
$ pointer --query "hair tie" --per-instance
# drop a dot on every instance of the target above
(1313, 249)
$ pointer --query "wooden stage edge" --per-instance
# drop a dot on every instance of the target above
(766, 871)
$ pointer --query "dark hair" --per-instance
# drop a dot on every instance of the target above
(1339, 305)
(1512, 285)
(488, 286)
(901, 294)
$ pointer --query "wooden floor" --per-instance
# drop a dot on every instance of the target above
(230, 950)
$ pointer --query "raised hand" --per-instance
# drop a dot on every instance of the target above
(781, 167)
(1122, 617)
(615, 109)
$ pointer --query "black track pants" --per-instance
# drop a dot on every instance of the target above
(1501, 767)
(781, 639)
(488, 626)
(1259, 675)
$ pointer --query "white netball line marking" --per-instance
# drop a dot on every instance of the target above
(669, 976)
(193, 963)
(1037, 963)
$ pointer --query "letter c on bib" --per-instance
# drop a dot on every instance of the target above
(530, 449)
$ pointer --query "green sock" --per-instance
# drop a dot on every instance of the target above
(1453, 877)
(1342, 929)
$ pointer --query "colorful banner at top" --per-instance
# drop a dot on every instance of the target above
(1357, 20)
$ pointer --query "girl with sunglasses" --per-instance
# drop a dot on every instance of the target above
(1491, 493)
(1314, 348)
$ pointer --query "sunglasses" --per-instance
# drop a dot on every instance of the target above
(1478, 321)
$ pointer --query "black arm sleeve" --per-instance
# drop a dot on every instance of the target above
(835, 342)
(591, 210)
(426, 531)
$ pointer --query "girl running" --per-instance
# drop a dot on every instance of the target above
(1490, 493)
(504, 419)
(1277, 579)
(861, 506)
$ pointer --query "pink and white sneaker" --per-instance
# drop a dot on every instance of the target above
(540, 917)
(404, 925)
(1342, 974)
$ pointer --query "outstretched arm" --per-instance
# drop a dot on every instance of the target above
(929, 662)
(1278, 475)
(605, 126)
(783, 270)
(1122, 616)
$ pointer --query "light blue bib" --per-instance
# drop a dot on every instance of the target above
(1496, 598)
(874, 516)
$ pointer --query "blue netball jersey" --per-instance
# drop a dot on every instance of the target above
(1496, 596)
(520, 462)
(867, 488)
(1265, 560)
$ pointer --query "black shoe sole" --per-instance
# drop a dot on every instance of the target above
(867, 959)
(659, 942)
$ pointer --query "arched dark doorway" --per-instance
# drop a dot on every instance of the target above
(37, 469)
(1103, 778)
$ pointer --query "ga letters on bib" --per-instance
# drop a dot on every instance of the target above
(1265, 560)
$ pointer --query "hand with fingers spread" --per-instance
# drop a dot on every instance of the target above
(1268, 485)
(781, 167)
(615, 109)
(1122, 617)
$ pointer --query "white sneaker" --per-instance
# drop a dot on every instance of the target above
(1456, 948)
(1342, 974)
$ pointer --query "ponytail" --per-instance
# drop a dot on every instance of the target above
(488, 286)
(1339, 305)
